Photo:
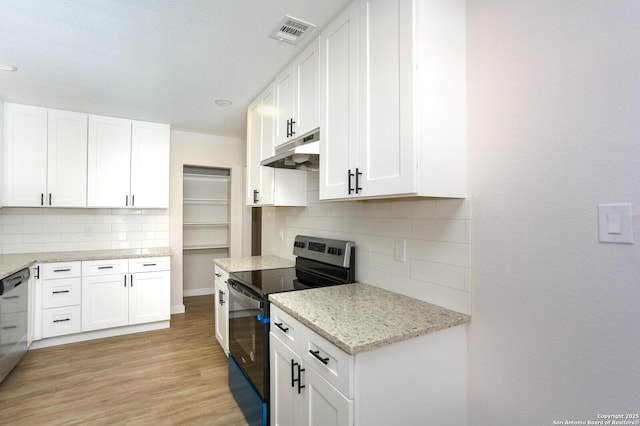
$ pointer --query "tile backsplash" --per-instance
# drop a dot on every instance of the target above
(435, 232)
(32, 230)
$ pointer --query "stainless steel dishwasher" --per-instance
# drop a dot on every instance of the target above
(13, 320)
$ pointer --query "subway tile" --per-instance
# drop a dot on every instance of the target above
(40, 218)
(387, 263)
(94, 245)
(21, 248)
(454, 231)
(78, 237)
(413, 288)
(396, 228)
(32, 228)
(13, 228)
(132, 236)
(454, 254)
(111, 218)
(378, 209)
(438, 273)
(11, 238)
(11, 219)
(126, 227)
(161, 236)
(161, 218)
(422, 250)
(372, 277)
(155, 227)
(22, 211)
(80, 218)
(116, 245)
(383, 245)
(453, 209)
(139, 219)
(414, 209)
(154, 243)
(42, 238)
(49, 247)
(454, 299)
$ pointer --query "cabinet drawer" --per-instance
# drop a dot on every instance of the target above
(60, 270)
(332, 363)
(286, 328)
(149, 264)
(62, 292)
(60, 321)
(104, 267)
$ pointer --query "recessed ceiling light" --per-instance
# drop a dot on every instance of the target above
(7, 67)
(223, 102)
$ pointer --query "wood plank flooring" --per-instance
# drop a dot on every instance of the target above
(165, 377)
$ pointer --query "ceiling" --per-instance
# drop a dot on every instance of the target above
(155, 60)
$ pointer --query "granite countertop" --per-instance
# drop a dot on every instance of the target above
(253, 263)
(360, 317)
(10, 263)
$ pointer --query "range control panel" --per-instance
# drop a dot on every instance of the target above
(335, 252)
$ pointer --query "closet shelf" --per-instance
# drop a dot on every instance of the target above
(206, 224)
(209, 247)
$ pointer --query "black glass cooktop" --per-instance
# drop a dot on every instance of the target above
(266, 281)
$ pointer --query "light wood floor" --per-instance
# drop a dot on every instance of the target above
(165, 377)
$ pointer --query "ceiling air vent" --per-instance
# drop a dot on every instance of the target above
(292, 30)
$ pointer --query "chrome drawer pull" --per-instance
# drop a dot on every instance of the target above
(316, 355)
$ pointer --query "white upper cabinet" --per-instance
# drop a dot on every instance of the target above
(338, 106)
(267, 186)
(67, 159)
(128, 163)
(45, 157)
(25, 155)
(149, 165)
(109, 165)
(296, 96)
(393, 100)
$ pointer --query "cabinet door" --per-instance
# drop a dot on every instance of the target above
(149, 297)
(284, 102)
(260, 131)
(338, 104)
(109, 162)
(387, 152)
(25, 155)
(222, 314)
(307, 71)
(324, 405)
(149, 165)
(66, 159)
(105, 301)
(286, 402)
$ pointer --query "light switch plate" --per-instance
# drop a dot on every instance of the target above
(615, 223)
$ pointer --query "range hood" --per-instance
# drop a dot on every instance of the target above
(301, 153)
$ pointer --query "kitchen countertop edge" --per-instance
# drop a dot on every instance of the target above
(253, 263)
(10, 263)
(338, 327)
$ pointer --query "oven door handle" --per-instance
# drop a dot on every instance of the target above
(243, 290)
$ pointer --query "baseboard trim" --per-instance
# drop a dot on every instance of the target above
(98, 334)
(198, 292)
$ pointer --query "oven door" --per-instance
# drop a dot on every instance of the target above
(249, 334)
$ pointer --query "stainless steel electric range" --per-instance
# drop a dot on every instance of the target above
(320, 262)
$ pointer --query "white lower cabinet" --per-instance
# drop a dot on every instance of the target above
(221, 296)
(417, 381)
(115, 293)
(61, 288)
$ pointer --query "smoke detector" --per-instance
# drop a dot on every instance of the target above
(292, 30)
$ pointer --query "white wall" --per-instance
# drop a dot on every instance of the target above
(436, 234)
(197, 149)
(554, 129)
